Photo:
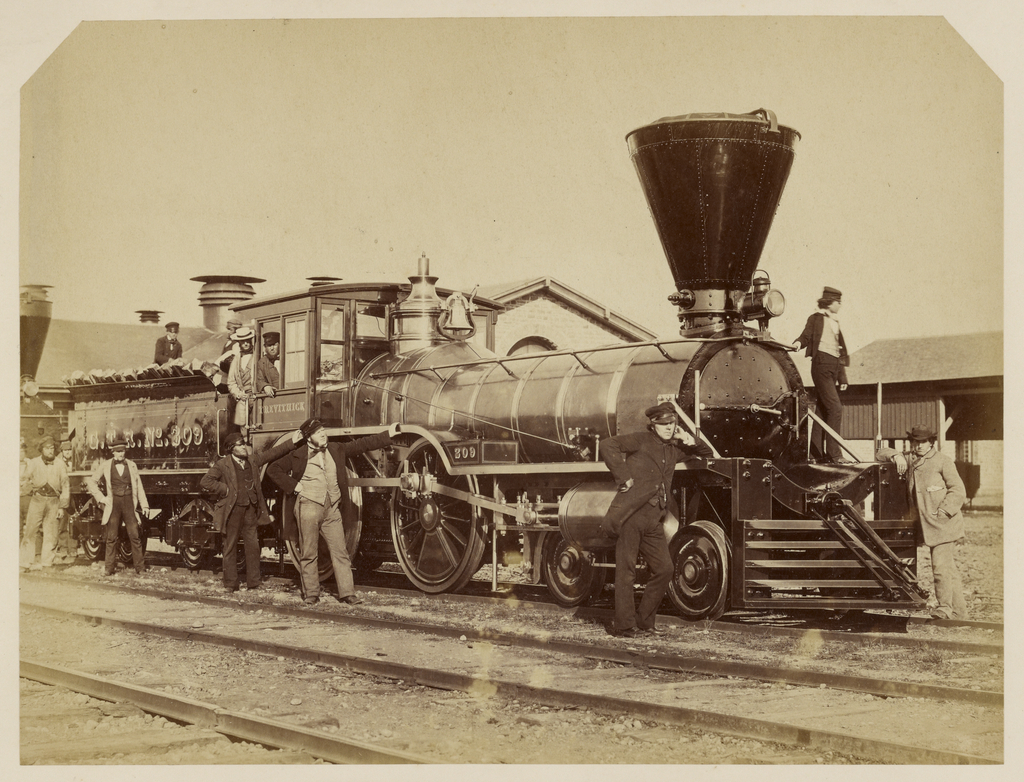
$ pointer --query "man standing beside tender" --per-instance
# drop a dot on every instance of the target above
(124, 494)
(45, 481)
(318, 477)
(936, 494)
(643, 464)
(235, 481)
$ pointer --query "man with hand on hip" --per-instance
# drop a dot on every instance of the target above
(317, 477)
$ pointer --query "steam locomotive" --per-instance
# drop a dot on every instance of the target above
(497, 460)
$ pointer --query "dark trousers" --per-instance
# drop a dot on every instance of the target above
(241, 521)
(123, 510)
(641, 533)
(825, 374)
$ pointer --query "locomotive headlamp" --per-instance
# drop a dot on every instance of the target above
(762, 302)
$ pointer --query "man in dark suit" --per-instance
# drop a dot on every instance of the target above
(643, 464)
(318, 478)
(826, 347)
(235, 481)
(168, 347)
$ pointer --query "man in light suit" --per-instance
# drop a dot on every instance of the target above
(235, 481)
(936, 494)
(643, 464)
(318, 478)
(45, 482)
(124, 495)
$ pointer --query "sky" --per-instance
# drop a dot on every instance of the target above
(157, 151)
(135, 155)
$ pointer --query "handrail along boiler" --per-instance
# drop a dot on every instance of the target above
(497, 460)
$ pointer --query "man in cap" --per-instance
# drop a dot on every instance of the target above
(824, 343)
(45, 481)
(268, 377)
(230, 349)
(935, 494)
(317, 476)
(241, 508)
(121, 497)
(242, 375)
(643, 465)
(67, 547)
(167, 346)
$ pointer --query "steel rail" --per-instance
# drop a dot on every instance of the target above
(230, 723)
(667, 662)
(764, 730)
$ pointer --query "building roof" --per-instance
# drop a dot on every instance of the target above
(509, 292)
(76, 345)
(921, 359)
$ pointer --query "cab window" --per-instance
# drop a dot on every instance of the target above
(294, 352)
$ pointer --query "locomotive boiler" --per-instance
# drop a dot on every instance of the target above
(497, 460)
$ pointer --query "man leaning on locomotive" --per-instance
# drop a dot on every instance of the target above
(317, 477)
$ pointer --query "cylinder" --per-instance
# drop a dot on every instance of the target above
(580, 512)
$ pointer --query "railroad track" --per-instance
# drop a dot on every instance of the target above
(215, 738)
(731, 681)
(850, 623)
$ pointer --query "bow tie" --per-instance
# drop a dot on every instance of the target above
(314, 450)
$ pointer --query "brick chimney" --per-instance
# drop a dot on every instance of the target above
(219, 292)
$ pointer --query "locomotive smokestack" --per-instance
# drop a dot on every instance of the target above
(713, 183)
(36, 311)
(219, 292)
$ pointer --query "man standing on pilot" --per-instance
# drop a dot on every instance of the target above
(643, 465)
(825, 345)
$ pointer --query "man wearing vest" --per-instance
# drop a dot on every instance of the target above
(45, 482)
(826, 348)
(124, 493)
(318, 478)
(235, 481)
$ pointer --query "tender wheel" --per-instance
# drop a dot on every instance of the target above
(439, 540)
(124, 548)
(700, 578)
(196, 557)
(94, 548)
(571, 577)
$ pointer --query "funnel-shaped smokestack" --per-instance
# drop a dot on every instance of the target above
(713, 183)
(36, 310)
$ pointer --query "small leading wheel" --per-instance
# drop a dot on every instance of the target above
(700, 577)
(95, 549)
(196, 557)
(439, 540)
(571, 575)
